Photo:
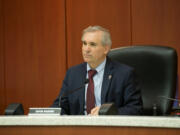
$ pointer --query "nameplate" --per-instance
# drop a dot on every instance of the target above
(44, 111)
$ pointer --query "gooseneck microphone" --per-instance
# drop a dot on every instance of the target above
(172, 99)
(69, 92)
(166, 98)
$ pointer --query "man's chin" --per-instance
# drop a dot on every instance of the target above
(86, 60)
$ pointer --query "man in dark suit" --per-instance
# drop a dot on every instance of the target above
(109, 81)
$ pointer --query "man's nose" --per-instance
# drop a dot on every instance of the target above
(87, 47)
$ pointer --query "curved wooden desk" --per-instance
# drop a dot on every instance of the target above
(89, 125)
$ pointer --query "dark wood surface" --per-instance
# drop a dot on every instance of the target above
(40, 39)
(34, 51)
(84, 130)
(111, 14)
(2, 85)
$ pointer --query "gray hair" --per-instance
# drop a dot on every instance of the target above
(106, 38)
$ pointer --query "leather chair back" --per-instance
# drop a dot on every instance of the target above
(156, 68)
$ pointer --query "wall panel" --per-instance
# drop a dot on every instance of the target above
(40, 39)
(35, 59)
(111, 14)
(2, 86)
(156, 22)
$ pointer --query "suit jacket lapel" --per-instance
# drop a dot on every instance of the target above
(106, 80)
(106, 83)
(82, 76)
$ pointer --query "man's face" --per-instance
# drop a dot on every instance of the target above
(93, 51)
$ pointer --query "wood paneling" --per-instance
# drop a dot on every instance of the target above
(82, 130)
(2, 87)
(111, 14)
(156, 22)
(34, 44)
(40, 39)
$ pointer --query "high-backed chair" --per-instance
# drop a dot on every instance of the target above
(156, 68)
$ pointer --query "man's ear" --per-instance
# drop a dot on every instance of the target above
(107, 49)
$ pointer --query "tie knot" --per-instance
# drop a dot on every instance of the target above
(91, 73)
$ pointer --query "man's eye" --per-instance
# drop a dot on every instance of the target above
(84, 43)
(93, 44)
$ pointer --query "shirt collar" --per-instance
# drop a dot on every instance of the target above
(98, 68)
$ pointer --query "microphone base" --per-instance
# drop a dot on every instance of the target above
(108, 109)
(176, 112)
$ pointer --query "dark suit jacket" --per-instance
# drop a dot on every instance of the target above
(119, 86)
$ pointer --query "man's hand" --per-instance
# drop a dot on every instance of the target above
(95, 111)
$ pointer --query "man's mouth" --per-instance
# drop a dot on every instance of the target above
(86, 55)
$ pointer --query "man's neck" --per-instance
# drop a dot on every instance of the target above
(95, 65)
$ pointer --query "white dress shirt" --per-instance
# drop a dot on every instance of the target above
(98, 79)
